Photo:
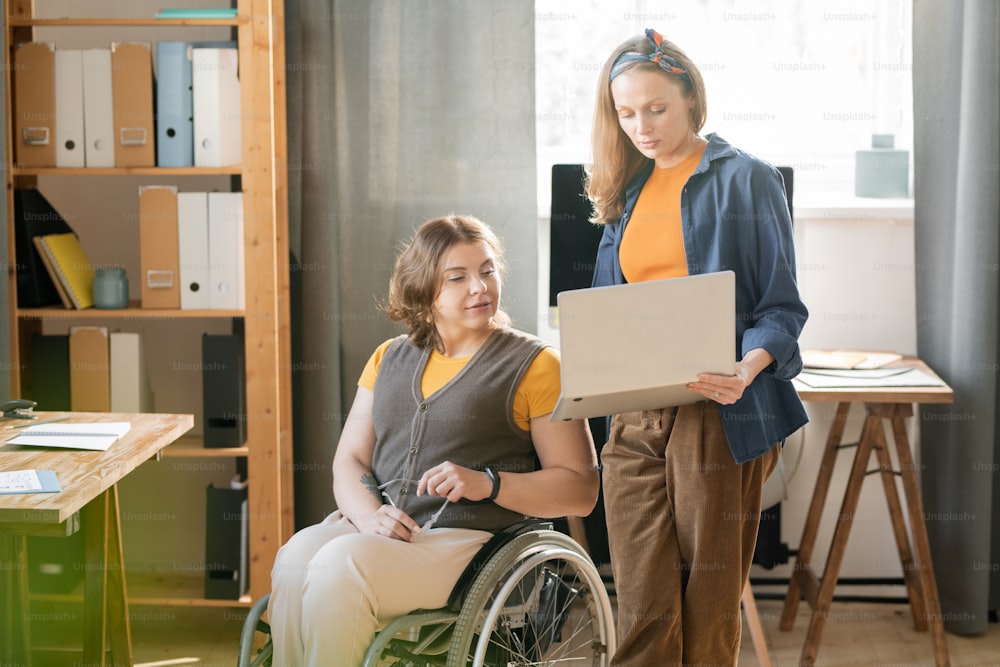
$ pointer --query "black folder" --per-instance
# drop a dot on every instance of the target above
(50, 372)
(55, 564)
(224, 390)
(226, 543)
(34, 216)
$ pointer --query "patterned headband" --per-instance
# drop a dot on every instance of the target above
(659, 56)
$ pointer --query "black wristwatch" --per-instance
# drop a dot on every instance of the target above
(495, 478)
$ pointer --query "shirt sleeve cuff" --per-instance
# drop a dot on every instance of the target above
(784, 348)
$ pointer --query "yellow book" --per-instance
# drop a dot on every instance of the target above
(50, 269)
(73, 273)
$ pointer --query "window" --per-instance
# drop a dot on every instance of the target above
(797, 83)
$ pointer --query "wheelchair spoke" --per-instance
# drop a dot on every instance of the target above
(548, 619)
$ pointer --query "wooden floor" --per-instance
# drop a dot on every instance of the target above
(866, 633)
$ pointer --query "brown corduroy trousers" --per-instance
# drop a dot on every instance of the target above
(682, 526)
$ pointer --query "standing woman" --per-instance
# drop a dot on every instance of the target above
(447, 442)
(683, 484)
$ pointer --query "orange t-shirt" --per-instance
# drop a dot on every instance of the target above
(653, 244)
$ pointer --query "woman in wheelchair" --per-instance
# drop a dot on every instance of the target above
(447, 442)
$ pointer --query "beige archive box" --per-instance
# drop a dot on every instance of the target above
(159, 255)
(132, 100)
(35, 105)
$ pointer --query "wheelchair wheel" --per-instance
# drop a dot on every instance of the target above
(539, 601)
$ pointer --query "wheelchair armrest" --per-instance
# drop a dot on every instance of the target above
(486, 552)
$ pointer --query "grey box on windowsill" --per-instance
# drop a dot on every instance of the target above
(882, 171)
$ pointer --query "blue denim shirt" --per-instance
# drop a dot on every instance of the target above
(735, 217)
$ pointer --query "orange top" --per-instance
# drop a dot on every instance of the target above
(653, 244)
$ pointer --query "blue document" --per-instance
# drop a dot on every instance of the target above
(29, 481)
(175, 102)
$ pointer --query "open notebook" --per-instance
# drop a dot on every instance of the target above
(92, 435)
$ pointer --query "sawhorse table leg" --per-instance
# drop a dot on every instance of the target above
(15, 619)
(107, 623)
(916, 561)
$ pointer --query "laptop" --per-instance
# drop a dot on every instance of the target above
(634, 347)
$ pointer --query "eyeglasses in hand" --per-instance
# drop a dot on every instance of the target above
(402, 480)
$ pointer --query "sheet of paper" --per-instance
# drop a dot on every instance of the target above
(859, 374)
(829, 380)
(95, 436)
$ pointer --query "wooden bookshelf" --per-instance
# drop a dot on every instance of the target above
(191, 446)
(259, 29)
(156, 590)
(133, 312)
(126, 171)
(25, 21)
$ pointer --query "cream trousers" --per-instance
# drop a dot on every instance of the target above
(332, 587)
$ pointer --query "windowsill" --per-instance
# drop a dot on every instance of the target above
(848, 207)
(833, 206)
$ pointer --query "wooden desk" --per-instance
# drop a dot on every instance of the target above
(894, 404)
(89, 500)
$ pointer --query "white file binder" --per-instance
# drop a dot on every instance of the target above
(216, 88)
(70, 141)
(98, 115)
(130, 388)
(192, 232)
(225, 247)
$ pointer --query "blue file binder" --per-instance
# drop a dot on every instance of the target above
(174, 106)
(175, 102)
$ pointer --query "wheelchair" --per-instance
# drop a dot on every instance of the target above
(530, 596)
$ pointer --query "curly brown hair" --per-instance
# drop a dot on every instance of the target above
(416, 278)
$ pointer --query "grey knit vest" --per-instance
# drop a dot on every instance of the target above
(469, 421)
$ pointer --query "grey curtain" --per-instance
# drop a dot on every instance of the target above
(957, 227)
(397, 112)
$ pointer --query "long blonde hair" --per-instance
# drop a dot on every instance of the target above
(616, 160)
(416, 279)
